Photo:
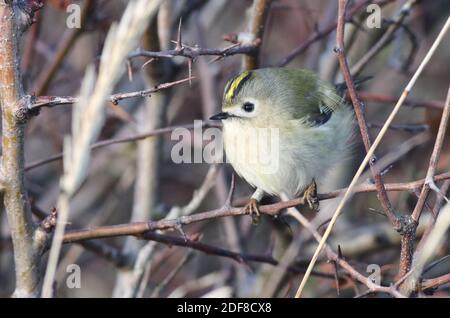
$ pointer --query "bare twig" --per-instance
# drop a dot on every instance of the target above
(213, 250)
(334, 257)
(380, 98)
(429, 181)
(194, 52)
(358, 107)
(88, 116)
(172, 274)
(146, 193)
(326, 31)
(433, 283)
(387, 37)
(376, 142)
(68, 40)
(409, 237)
(52, 101)
(115, 141)
(139, 228)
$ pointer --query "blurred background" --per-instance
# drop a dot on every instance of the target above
(138, 181)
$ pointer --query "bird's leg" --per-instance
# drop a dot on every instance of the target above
(310, 196)
(252, 207)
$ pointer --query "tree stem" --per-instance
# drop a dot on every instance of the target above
(12, 166)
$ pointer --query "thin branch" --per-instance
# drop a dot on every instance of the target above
(52, 101)
(334, 257)
(439, 143)
(65, 44)
(186, 258)
(139, 228)
(194, 52)
(433, 283)
(115, 141)
(217, 251)
(326, 31)
(88, 116)
(146, 186)
(109, 253)
(256, 27)
(432, 244)
(410, 235)
(359, 111)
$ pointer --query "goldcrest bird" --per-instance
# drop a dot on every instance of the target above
(307, 129)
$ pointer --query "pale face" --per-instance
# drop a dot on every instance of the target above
(249, 108)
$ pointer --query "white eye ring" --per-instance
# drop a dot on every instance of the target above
(248, 107)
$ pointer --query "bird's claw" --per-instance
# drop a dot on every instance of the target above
(310, 196)
(252, 208)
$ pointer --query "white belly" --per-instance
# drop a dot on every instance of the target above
(289, 164)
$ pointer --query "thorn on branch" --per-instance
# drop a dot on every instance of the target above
(129, 70)
(179, 228)
(190, 71)
(147, 62)
(179, 43)
(430, 182)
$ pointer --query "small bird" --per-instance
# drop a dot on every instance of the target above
(283, 130)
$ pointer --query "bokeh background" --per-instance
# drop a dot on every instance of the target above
(140, 176)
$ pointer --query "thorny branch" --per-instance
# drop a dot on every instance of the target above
(194, 52)
(51, 101)
(140, 228)
(359, 111)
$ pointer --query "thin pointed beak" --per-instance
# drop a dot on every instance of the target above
(220, 116)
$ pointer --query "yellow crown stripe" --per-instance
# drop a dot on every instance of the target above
(235, 84)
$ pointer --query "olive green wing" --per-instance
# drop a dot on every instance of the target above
(313, 100)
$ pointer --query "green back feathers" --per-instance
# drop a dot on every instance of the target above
(301, 92)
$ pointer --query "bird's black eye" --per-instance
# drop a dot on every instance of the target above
(248, 107)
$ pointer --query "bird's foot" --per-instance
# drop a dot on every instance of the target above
(310, 196)
(252, 208)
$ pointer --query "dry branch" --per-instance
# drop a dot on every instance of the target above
(360, 116)
(377, 141)
(13, 101)
(326, 31)
(255, 32)
(139, 228)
